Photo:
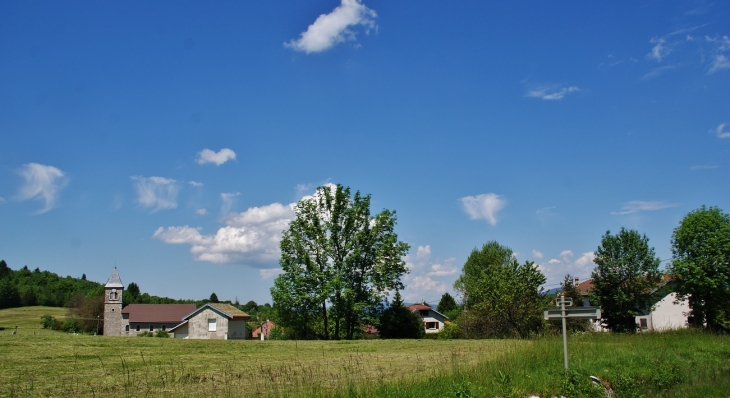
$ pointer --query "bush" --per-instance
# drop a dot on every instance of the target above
(145, 334)
(48, 322)
(451, 331)
(162, 333)
(70, 326)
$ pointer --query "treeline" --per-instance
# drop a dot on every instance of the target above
(23, 288)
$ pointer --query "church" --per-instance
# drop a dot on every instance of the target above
(183, 321)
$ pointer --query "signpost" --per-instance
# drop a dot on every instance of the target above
(562, 313)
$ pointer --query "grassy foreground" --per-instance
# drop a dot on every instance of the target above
(45, 363)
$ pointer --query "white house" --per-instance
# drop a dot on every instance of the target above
(212, 321)
(432, 319)
(666, 313)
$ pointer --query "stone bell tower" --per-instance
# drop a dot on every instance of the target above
(113, 305)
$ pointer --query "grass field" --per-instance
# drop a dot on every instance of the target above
(48, 363)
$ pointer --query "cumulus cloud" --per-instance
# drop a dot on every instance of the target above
(250, 237)
(421, 287)
(270, 273)
(334, 28)
(423, 252)
(536, 254)
(220, 157)
(551, 92)
(636, 206)
(720, 131)
(566, 255)
(442, 270)
(201, 212)
(156, 193)
(484, 206)
(555, 269)
(42, 183)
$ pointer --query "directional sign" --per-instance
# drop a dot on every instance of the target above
(568, 301)
(573, 313)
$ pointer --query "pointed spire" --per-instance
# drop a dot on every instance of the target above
(114, 280)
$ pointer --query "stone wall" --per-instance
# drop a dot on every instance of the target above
(113, 313)
(198, 325)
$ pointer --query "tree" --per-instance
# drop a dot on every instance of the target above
(338, 261)
(501, 297)
(701, 266)
(213, 298)
(627, 273)
(570, 289)
(398, 322)
(446, 304)
(132, 293)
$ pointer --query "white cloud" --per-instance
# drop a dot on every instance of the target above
(333, 28)
(442, 270)
(423, 253)
(228, 200)
(720, 62)
(554, 261)
(720, 131)
(195, 183)
(484, 206)
(657, 71)
(220, 157)
(41, 183)
(157, 193)
(551, 92)
(201, 212)
(566, 255)
(270, 273)
(659, 51)
(536, 254)
(250, 237)
(636, 206)
(421, 287)
(585, 259)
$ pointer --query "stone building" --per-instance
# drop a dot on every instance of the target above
(211, 321)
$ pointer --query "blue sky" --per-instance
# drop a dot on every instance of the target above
(171, 138)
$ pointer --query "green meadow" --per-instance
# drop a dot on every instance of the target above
(38, 362)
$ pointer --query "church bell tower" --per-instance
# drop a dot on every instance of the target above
(113, 305)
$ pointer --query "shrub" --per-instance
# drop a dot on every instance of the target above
(451, 331)
(145, 334)
(70, 326)
(162, 333)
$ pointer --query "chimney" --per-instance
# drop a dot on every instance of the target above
(575, 283)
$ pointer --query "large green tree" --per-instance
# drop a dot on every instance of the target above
(338, 261)
(627, 273)
(398, 322)
(701, 266)
(502, 297)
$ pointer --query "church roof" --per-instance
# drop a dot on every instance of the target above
(114, 280)
(157, 313)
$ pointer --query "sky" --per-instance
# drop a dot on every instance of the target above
(172, 139)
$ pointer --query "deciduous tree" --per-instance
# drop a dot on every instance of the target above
(701, 266)
(501, 296)
(627, 273)
(337, 261)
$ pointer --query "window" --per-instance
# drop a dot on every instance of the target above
(126, 328)
(432, 325)
(211, 325)
(643, 323)
(164, 327)
(151, 328)
(423, 312)
(113, 294)
(138, 328)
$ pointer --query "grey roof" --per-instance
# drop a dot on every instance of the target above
(114, 280)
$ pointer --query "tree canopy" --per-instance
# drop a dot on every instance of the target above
(446, 304)
(338, 261)
(701, 266)
(626, 275)
(398, 322)
(502, 297)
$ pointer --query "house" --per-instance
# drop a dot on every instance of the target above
(264, 330)
(665, 312)
(432, 319)
(216, 321)
(211, 321)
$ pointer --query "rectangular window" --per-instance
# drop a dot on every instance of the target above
(164, 327)
(151, 328)
(138, 328)
(211, 325)
(643, 323)
(432, 325)
(126, 328)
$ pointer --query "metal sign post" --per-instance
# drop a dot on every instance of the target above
(573, 313)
